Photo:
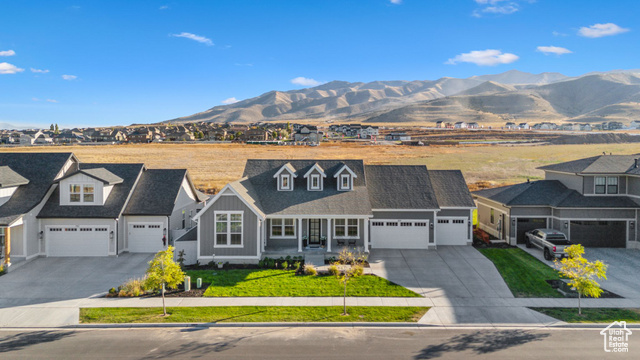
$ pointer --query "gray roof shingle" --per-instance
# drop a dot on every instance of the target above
(603, 164)
(261, 185)
(41, 170)
(400, 187)
(100, 174)
(114, 204)
(10, 178)
(450, 188)
(551, 193)
(156, 192)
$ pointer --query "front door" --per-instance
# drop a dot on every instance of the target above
(314, 231)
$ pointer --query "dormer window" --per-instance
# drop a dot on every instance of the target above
(74, 193)
(285, 177)
(81, 193)
(314, 178)
(345, 178)
(606, 185)
(285, 182)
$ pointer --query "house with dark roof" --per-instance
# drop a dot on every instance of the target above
(319, 206)
(51, 204)
(594, 201)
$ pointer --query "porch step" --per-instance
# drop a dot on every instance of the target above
(314, 259)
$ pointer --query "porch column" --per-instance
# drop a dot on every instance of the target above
(366, 235)
(329, 233)
(299, 234)
(264, 234)
(7, 246)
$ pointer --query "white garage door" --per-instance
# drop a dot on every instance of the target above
(451, 231)
(399, 234)
(145, 237)
(77, 240)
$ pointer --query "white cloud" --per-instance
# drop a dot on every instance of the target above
(6, 68)
(52, 101)
(164, 7)
(397, 2)
(557, 33)
(194, 37)
(241, 64)
(69, 77)
(230, 100)
(7, 53)
(39, 71)
(553, 50)
(300, 80)
(600, 30)
(35, 99)
(500, 7)
(489, 57)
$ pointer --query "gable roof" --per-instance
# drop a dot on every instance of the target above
(100, 174)
(157, 192)
(261, 185)
(114, 204)
(10, 178)
(551, 193)
(316, 167)
(41, 170)
(400, 187)
(287, 167)
(451, 189)
(602, 164)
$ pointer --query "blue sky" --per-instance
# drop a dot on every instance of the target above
(80, 63)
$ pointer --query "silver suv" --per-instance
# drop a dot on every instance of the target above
(552, 242)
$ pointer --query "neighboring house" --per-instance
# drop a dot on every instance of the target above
(439, 124)
(473, 125)
(368, 132)
(524, 126)
(595, 201)
(54, 205)
(308, 134)
(295, 206)
(460, 125)
(510, 126)
(635, 124)
(255, 135)
(141, 136)
(397, 136)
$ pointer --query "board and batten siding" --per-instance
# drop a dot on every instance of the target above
(633, 185)
(207, 224)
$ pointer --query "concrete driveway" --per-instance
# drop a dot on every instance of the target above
(622, 271)
(449, 272)
(47, 291)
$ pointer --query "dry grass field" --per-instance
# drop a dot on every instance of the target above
(213, 165)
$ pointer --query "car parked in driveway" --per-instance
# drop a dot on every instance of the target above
(551, 242)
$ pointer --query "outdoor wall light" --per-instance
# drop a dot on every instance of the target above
(566, 224)
(164, 231)
(40, 235)
(632, 225)
(513, 222)
(431, 226)
(111, 235)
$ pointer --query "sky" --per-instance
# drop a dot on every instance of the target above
(105, 63)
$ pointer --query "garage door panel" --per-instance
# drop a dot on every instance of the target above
(399, 234)
(528, 224)
(77, 241)
(145, 237)
(599, 233)
(451, 231)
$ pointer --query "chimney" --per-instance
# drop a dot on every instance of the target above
(529, 181)
(635, 166)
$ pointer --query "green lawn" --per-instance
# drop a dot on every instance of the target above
(524, 274)
(234, 314)
(592, 315)
(247, 282)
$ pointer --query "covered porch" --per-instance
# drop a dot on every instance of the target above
(323, 234)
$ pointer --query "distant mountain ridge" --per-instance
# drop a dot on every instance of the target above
(513, 94)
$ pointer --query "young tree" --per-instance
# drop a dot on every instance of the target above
(582, 272)
(164, 272)
(52, 127)
(349, 266)
(56, 130)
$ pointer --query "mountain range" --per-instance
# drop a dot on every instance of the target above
(512, 95)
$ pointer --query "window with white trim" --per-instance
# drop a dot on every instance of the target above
(283, 228)
(87, 193)
(346, 228)
(345, 182)
(314, 182)
(228, 229)
(75, 193)
(606, 185)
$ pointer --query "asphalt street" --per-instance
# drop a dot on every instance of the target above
(309, 343)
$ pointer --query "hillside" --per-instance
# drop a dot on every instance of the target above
(511, 95)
